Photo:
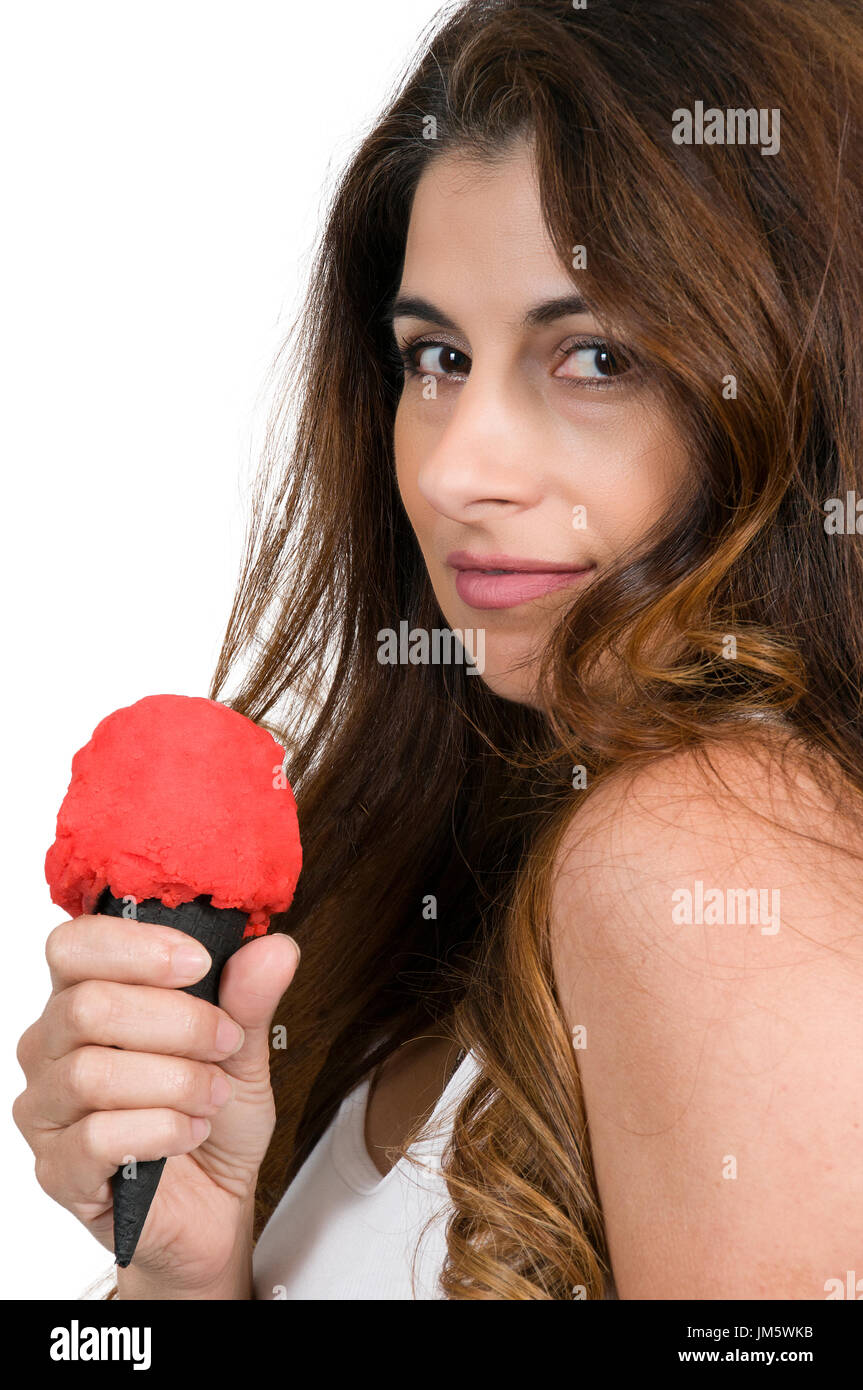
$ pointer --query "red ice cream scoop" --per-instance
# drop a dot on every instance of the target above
(173, 797)
(179, 812)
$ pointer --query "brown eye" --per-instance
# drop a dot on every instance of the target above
(606, 362)
(594, 361)
(431, 359)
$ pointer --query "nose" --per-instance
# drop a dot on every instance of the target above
(489, 454)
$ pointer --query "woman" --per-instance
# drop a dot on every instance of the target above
(580, 379)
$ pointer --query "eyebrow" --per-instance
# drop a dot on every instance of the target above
(547, 311)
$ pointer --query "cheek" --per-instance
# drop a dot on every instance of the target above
(642, 469)
(401, 446)
(408, 454)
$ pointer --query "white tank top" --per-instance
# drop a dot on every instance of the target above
(342, 1231)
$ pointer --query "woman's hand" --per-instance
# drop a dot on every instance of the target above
(122, 1062)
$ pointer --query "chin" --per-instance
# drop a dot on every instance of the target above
(507, 679)
(509, 659)
(519, 690)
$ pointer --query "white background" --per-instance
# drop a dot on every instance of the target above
(164, 170)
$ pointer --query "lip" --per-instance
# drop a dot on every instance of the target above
(526, 579)
(467, 560)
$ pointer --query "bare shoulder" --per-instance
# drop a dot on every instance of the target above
(707, 946)
(751, 811)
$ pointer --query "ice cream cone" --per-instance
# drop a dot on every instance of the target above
(183, 805)
(220, 931)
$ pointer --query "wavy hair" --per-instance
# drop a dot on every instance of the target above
(719, 261)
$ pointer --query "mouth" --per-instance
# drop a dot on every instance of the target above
(505, 581)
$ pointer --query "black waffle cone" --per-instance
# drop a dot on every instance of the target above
(220, 930)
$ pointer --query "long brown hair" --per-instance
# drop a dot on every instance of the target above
(416, 784)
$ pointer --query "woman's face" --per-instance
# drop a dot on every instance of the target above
(522, 443)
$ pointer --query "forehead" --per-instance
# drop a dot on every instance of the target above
(476, 228)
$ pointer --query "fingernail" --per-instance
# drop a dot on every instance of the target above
(200, 1130)
(190, 961)
(299, 952)
(229, 1037)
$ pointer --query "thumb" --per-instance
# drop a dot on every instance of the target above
(253, 981)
